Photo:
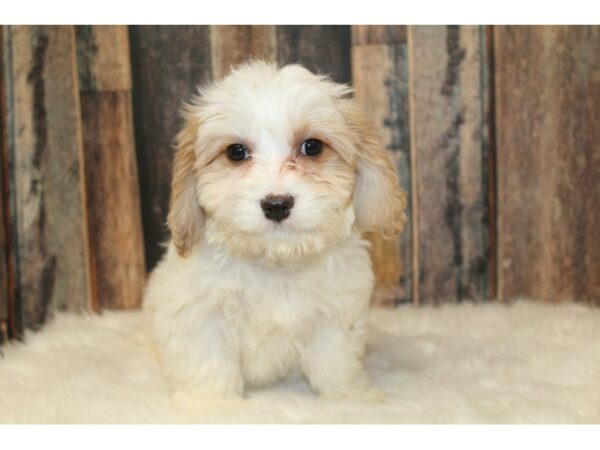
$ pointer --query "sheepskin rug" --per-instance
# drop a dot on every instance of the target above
(488, 363)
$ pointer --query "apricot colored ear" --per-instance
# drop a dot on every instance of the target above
(185, 218)
(379, 202)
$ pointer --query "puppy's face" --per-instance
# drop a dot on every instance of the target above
(279, 164)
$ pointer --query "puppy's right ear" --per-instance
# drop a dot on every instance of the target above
(186, 218)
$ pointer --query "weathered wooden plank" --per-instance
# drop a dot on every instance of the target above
(489, 112)
(233, 44)
(103, 58)
(449, 138)
(320, 48)
(548, 104)
(380, 79)
(378, 34)
(14, 323)
(4, 289)
(113, 201)
(168, 62)
(45, 150)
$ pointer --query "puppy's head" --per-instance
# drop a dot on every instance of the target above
(279, 164)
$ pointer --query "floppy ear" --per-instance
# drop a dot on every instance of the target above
(379, 202)
(185, 217)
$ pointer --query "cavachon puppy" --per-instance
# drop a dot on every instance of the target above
(276, 174)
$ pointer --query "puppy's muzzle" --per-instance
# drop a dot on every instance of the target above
(277, 207)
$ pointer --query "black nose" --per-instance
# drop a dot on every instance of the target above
(277, 207)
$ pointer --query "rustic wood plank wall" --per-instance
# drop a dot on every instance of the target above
(118, 269)
(547, 109)
(45, 153)
(500, 159)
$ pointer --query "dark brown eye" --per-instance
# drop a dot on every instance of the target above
(312, 147)
(237, 152)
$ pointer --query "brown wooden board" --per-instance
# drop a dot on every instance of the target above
(233, 44)
(113, 206)
(548, 105)
(320, 48)
(4, 290)
(45, 152)
(380, 79)
(448, 73)
(168, 63)
(103, 58)
(13, 325)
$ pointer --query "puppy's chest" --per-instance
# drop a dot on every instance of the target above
(267, 303)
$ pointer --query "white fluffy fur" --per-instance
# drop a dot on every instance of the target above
(490, 363)
(239, 300)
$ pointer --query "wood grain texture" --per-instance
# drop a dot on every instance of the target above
(233, 44)
(449, 139)
(168, 63)
(548, 104)
(320, 48)
(14, 322)
(113, 207)
(45, 151)
(103, 58)
(380, 79)
(4, 281)
(378, 34)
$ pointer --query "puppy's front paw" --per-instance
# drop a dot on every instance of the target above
(202, 405)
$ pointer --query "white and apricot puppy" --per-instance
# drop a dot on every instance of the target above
(276, 173)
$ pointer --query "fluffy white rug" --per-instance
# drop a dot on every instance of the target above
(487, 363)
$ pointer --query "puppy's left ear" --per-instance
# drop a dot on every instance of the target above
(186, 218)
(379, 202)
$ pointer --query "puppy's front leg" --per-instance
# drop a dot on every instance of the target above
(332, 362)
(203, 361)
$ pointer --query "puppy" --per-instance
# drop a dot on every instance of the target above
(276, 173)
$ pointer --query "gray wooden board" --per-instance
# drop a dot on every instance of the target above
(168, 63)
(45, 152)
(449, 138)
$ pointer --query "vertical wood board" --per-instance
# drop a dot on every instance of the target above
(380, 80)
(233, 44)
(168, 63)
(322, 49)
(449, 137)
(548, 104)
(114, 215)
(4, 246)
(45, 152)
